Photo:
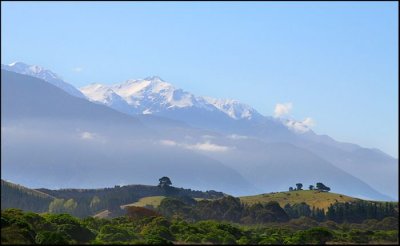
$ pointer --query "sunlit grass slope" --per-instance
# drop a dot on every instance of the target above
(147, 201)
(311, 197)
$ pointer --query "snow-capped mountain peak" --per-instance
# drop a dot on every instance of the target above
(42, 73)
(105, 95)
(134, 87)
(233, 108)
(154, 95)
(97, 92)
(154, 78)
(32, 70)
(142, 96)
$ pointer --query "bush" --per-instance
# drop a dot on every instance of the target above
(385, 236)
(194, 238)
(78, 233)
(156, 240)
(317, 235)
(49, 237)
(389, 223)
(359, 236)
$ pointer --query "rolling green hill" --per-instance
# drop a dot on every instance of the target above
(95, 201)
(91, 201)
(18, 196)
(311, 197)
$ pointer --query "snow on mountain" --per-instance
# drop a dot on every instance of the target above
(233, 108)
(104, 95)
(42, 73)
(153, 95)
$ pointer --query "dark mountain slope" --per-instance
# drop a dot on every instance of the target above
(17, 196)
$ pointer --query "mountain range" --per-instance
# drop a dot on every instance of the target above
(142, 129)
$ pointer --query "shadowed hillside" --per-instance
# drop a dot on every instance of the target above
(18, 196)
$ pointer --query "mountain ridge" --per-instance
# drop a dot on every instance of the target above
(164, 100)
(42, 73)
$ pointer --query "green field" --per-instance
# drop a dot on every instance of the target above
(311, 197)
(147, 201)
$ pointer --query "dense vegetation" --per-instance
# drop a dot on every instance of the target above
(231, 209)
(144, 226)
(211, 218)
(87, 202)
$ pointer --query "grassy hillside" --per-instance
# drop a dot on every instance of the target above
(18, 196)
(153, 201)
(146, 201)
(311, 197)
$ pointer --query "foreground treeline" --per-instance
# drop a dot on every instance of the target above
(143, 226)
(232, 209)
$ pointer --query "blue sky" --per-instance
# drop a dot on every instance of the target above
(336, 62)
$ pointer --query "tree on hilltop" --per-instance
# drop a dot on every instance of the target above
(322, 187)
(164, 182)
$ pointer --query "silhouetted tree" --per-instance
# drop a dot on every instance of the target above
(164, 182)
(290, 188)
(299, 186)
(322, 187)
(311, 187)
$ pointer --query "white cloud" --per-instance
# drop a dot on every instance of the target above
(207, 146)
(87, 135)
(300, 126)
(308, 122)
(283, 109)
(167, 142)
(77, 69)
(234, 136)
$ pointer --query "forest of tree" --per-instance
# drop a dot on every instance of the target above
(87, 202)
(217, 218)
(144, 226)
(231, 209)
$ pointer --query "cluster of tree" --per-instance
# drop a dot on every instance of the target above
(298, 210)
(231, 209)
(354, 212)
(87, 202)
(224, 209)
(299, 186)
(168, 190)
(18, 227)
(361, 210)
(319, 186)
